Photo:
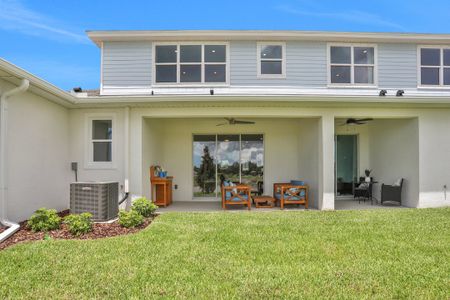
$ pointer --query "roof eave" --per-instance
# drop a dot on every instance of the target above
(98, 36)
(56, 94)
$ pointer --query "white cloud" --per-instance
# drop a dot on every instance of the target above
(353, 16)
(16, 17)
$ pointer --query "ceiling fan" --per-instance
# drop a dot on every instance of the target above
(233, 121)
(353, 121)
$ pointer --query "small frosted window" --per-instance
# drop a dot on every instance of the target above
(102, 140)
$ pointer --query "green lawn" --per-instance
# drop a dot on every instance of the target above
(399, 253)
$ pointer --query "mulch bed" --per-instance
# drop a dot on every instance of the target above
(2, 229)
(99, 230)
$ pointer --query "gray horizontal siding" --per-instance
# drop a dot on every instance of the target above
(397, 65)
(306, 65)
(127, 64)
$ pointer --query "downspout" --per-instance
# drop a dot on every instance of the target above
(126, 154)
(13, 227)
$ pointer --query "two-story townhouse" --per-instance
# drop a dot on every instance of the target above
(316, 106)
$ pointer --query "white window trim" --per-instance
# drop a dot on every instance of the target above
(352, 65)
(101, 67)
(89, 162)
(283, 60)
(203, 63)
(441, 67)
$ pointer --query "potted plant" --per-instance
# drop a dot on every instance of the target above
(367, 172)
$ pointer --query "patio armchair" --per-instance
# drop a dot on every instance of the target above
(392, 193)
(294, 192)
(238, 194)
(363, 190)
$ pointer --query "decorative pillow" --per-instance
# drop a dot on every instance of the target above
(297, 182)
(293, 190)
(398, 182)
(234, 190)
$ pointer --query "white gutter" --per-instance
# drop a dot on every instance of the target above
(13, 227)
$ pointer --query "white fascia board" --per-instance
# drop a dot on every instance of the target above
(97, 36)
(271, 91)
(127, 100)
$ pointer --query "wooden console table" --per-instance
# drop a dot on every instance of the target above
(161, 189)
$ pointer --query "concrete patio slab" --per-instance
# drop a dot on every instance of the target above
(353, 204)
(211, 206)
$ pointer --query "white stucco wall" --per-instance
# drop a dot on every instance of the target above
(80, 137)
(434, 158)
(38, 155)
(308, 157)
(152, 149)
(394, 153)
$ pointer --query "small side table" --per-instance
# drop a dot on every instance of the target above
(264, 201)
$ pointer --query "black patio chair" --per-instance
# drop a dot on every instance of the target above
(392, 193)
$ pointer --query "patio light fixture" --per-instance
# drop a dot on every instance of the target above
(382, 93)
(211, 92)
(400, 93)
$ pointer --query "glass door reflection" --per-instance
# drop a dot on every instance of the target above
(252, 161)
(204, 149)
(228, 156)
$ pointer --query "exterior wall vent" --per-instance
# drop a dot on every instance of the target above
(101, 199)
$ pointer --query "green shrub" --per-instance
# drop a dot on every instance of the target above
(144, 207)
(79, 224)
(44, 220)
(130, 218)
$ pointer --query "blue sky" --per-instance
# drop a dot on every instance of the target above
(47, 37)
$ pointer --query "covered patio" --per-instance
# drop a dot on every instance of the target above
(388, 147)
(259, 154)
(277, 146)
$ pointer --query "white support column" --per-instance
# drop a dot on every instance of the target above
(326, 163)
(136, 174)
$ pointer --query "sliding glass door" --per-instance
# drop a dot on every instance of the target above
(227, 155)
(204, 165)
(239, 158)
(252, 160)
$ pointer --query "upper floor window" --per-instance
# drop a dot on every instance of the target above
(190, 63)
(434, 66)
(352, 65)
(271, 60)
